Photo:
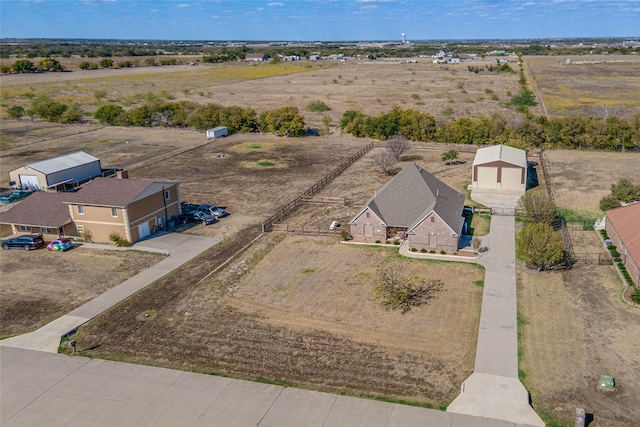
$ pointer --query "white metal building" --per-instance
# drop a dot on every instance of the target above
(500, 167)
(46, 174)
(217, 132)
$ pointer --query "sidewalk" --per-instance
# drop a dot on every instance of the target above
(180, 247)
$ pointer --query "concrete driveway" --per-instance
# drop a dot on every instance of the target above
(180, 248)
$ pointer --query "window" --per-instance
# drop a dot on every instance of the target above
(80, 228)
(47, 230)
(114, 212)
(433, 219)
(167, 195)
(81, 209)
(25, 228)
(368, 215)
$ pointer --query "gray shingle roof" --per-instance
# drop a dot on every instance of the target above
(40, 209)
(412, 194)
(61, 163)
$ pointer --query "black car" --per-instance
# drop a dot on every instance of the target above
(26, 242)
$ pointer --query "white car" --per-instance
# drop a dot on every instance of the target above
(334, 225)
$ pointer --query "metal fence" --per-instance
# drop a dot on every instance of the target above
(285, 211)
(314, 230)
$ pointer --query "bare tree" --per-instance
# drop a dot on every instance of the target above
(476, 243)
(606, 111)
(397, 145)
(384, 160)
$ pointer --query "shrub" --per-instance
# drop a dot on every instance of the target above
(611, 247)
(86, 236)
(604, 234)
(317, 107)
(377, 241)
(635, 296)
(443, 252)
(123, 243)
(115, 237)
(432, 251)
(344, 234)
(617, 259)
(388, 242)
(614, 253)
(396, 242)
(414, 249)
(423, 250)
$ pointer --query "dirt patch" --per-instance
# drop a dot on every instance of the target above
(577, 328)
(39, 286)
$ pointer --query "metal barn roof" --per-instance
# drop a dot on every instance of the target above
(61, 163)
(501, 152)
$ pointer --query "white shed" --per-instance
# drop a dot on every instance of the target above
(217, 132)
(500, 167)
(46, 174)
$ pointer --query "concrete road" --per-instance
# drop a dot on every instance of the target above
(45, 389)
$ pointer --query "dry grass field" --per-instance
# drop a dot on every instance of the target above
(580, 179)
(300, 310)
(445, 91)
(587, 82)
(39, 286)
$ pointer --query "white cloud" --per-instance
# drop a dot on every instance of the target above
(260, 8)
(276, 4)
(183, 5)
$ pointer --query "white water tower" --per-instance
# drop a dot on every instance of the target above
(403, 41)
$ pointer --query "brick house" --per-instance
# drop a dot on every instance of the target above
(623, 228)
(413, 205)
(129, 207)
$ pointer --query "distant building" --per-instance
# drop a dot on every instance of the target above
(314, 57)
(291, 58)
(256, 57)
(217, 132)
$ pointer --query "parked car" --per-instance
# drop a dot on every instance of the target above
(26, 242)
(204, 218)
(216, 211)
(61, 244)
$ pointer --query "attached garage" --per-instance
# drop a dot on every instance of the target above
(501, 168)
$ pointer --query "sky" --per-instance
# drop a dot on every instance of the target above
(318, 20)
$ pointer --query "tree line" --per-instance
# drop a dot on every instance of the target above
(575, 131)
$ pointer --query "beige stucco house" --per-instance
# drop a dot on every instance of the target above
(416, 206)
(128, 207)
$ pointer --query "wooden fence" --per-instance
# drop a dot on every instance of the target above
(285, 211)
(315, 230)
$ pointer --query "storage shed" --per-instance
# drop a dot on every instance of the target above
(500, 167)
(48, 174)
(217, 132)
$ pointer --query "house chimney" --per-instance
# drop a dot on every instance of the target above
(437, 192)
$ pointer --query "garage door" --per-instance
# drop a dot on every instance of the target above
(29, 181)
(143, 230)
(487, 177)
(511, 178)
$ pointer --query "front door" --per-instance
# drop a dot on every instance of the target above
(432, 241)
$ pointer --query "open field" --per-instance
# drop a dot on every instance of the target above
(577, 328)
(39, 286)
(580, 179)
(423, 86)
(589, 81)
(310, 320)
